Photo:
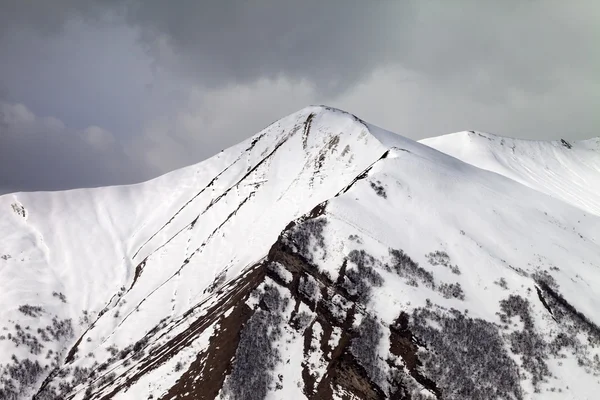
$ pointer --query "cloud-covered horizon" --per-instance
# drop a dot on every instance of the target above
(42, 153)
(118, 92)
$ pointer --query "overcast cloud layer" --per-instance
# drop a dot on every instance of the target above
(99, 92)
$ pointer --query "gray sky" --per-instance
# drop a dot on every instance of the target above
(99, 92)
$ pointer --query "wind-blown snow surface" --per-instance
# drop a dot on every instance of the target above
(567, 171)
(321, 258)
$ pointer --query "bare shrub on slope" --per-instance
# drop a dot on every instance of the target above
(255, 357)
(465, 356)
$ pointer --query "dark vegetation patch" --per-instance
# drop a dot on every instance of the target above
(67, 379)
(309, 288)
(178, 366)
(536, 349)
(519, 271)
(404, 386)
(278, 273)
(567, 313)
(526, 342)
(31, 311)
(85, 319)
(60, 296)
(60, 329)
(459, 348)
(34, 340)
(256, 357)
(543, 276)
(19, 210)
(301, 321)
(442, 258)
(405, 345)
(502, 283)
(405, 267)
(346, 150)
(355, 238)
(25, 338)
(18, 377)
(364, 348)
(451, 291)
(335, 307)
(378, 188)
(358, 281)
(308, 238)
(344, 373)
(574, 324)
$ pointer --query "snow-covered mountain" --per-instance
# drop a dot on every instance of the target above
(321, 258)
(564, 170)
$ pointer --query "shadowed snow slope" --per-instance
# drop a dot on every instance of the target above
(321, 258)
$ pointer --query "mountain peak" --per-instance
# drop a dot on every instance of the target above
(321, 258)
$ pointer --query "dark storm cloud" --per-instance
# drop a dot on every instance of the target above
(533, 65)
(486, 44)
(486, 47)
(43, 154)
(494, 47)
(332, 43)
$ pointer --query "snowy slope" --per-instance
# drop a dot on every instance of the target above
(321, 258)
(88, 244)
(567, 171)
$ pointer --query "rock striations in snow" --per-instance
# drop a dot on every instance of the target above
(322, 258)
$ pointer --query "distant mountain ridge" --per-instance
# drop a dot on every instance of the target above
(321, 258)
(568, 171)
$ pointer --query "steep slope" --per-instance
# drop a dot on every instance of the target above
(567, 171)
(321, 258)
(84, 253)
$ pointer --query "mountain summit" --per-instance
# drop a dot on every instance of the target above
(322, 258)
